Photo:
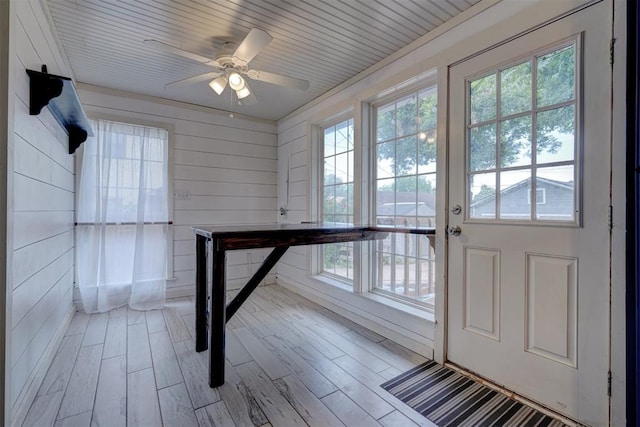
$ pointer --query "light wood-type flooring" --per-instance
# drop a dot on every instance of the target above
(290, 362)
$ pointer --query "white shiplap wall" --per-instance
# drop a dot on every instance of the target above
(43, 207)
(226, 167)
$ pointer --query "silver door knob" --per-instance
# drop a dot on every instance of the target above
(456, 209)
(454, 231)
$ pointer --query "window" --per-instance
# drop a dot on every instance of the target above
(405, 176)
(123, 217)
(337, 195)
(522, 137)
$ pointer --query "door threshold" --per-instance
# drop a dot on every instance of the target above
(513, 395)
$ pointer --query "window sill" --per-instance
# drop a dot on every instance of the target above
(402, 306)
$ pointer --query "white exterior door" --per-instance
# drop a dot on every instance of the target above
(529, 162)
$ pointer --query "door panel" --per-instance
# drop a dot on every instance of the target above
(528, 276)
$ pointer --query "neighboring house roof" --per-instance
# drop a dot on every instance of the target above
(540, 182)
(404, 209)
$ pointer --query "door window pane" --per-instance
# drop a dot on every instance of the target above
(515, 82)
(537, 137)
(482, 99)
(555, 141)
(556, 77)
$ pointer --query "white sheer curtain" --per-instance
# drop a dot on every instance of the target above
(122, 216)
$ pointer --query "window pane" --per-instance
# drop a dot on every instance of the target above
(515, 89)
(427, 109)
(559, 188)
(330, 170)
(386, 159)
(482, 147)
(483, 195)
(342, 137)
(556, 77)
(386, 123)
(483, 99)
(515, 142)
(406, 116)
(515, 195)
(427, 152)
(556, 135)
(406, 156)
(329, 141)
(342, 168)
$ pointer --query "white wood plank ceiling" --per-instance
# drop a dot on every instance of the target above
(323, 41)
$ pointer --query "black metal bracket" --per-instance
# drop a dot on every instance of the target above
(60, 95)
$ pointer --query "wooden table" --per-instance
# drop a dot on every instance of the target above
(225, 238)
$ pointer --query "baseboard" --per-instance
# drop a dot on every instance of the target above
(422, 347)
(182, 291)
(23, 403)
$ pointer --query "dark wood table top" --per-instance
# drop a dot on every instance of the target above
(229, 237)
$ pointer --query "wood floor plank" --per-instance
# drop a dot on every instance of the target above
(390, 373)
(271, 365)
(80, 420)
(96, 329)
(306, 373)
(214, 415)
(275, 406)
(373, 404)
(138, 351)
(165, 362)
(43, 410)
(347, 411)
(110, 408)
(177, 329)
(382, 353)
(241, 403)
(235, 351)
(135, 316)
(175, 406)
(189, 321)
(81, 390)
(372, 381)
(142, 399)
(115, 342)
(259, 328)
(155, 321)
(297, 297)
(59, 372)
(304, 334)
(78, 323)
(195, 375)
(352, 326)
(310, 408)
(403, 352)
(396, 419)
(349, 347)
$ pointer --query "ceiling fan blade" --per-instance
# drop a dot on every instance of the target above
(278, 79)
(185, 54)
(194, 79)
(252, 44)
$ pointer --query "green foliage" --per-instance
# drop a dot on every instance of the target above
(422, 185)
(413, 117)
(409, 118)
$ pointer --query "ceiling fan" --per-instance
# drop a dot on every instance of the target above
(232, 64)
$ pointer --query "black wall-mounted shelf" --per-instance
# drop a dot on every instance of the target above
(59, 93)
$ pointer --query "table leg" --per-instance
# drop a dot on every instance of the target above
(201, 293)
(218, 317)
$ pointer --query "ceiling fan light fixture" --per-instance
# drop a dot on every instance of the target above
(236, 81)
(243, 93)
(218, 85)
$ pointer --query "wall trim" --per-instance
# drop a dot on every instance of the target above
(33, 383)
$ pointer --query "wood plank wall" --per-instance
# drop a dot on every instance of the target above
(43, 210)
(226, 166)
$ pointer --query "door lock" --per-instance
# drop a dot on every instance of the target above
(456, 209)
(454, 231)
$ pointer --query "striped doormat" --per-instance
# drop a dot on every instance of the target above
(448, 398)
